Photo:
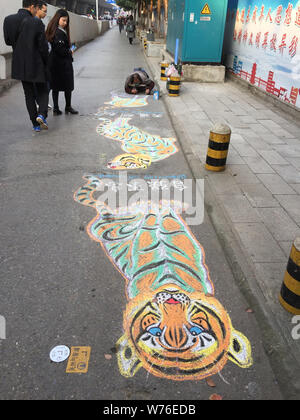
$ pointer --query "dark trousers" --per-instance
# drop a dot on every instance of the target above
(68, 98)
(36, 92)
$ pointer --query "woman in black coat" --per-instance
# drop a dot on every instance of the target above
(61, 60)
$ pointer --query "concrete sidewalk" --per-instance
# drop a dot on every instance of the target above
(255, 204)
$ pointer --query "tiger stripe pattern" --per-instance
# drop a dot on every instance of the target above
(136, 141)
(128, 102)
(174, 327)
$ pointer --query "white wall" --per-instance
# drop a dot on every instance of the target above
(82, 30)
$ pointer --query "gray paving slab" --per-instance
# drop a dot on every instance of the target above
(273, 139)
(258, 165)
(258, 195)
(224, 184)
(279, 223)
(270, 124)
(237, 138)
(245, 150)
(287, 150)
(260, 244)
(296, 187)
(239, 208)
(288, 173)
(291, 203)
(272, 157)
(275, 184)
(272, 275)
(248, 119)
(286, 246)
(292, 141)
(258, 143)
(242, 173)
(292, 129)
(234, 158)
(258, 128)
(268, 113)
(295, 161)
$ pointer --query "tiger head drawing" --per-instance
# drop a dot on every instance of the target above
(180, 336)
(174, 327)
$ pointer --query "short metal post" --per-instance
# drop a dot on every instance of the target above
(163, 67)
(218, 146)
(290, 290)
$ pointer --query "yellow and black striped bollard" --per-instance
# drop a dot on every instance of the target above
(163, 67)
(173, 86)
(218, 145)
(145, 44)
(290, 291)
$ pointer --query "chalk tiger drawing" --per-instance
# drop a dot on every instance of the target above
(130, 161)
(136, 141)
(174, 327)
(128, 101)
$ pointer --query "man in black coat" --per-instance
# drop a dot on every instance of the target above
(26, 35)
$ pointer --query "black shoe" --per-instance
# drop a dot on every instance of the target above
(71, 110)
(57, 111)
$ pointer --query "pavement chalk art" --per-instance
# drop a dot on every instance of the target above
(174, 327)
(128, 101)
(141, 148)
(130, 161)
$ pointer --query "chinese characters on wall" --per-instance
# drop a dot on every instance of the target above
(268, 39)
(262, 45)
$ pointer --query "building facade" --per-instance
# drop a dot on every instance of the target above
(83, 7)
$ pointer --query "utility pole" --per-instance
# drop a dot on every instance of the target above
(97, 10)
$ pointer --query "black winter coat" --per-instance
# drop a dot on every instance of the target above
(61, 63)
(26, 35)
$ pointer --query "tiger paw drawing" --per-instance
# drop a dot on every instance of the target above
(174, 327)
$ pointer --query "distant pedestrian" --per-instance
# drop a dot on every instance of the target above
(139, 82)
(120, 23)
(61, 60)
(26, 35)
(130, 29)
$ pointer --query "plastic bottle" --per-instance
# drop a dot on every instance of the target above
(156, 94)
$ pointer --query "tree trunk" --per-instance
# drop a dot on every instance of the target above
(166, 9)
(145, 14)
(139, 8)
(150, 14)
(166, 18)
(158, 16)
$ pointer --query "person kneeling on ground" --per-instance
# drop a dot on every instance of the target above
(137, 82)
